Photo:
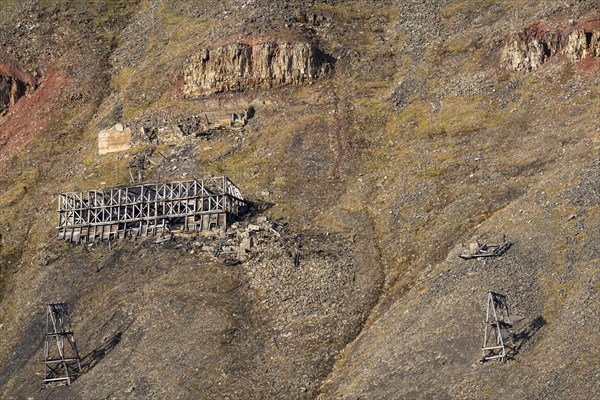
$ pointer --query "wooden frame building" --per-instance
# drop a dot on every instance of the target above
(148, 209)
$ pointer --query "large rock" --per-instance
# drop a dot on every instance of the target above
(521, 55)
(594, 49)
(115, 138)
(263, 63)
(576, 46)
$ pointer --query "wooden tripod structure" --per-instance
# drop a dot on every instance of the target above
(61, 363)
(497, 334)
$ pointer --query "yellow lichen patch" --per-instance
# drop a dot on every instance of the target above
(422, 290)
(461, 115)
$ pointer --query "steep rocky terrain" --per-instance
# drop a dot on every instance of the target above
(255, 62)
(384, 137)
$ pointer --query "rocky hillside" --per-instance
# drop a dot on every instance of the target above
(375, 141)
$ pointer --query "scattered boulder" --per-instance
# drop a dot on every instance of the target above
(253, 227)
(246, 245)
(473, 247)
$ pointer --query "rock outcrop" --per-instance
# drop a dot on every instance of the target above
(595, 44)
(115, 138)
(13, 86)
(263, 63)
(537, 43)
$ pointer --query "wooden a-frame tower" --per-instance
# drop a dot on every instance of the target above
(61, 357)
(498, 333)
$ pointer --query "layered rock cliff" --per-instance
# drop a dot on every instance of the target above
(264, 64)
(539, 42)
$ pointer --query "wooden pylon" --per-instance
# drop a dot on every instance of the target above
(61, 362)
(498, 333)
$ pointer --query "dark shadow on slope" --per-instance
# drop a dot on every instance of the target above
(256, 207)
(32, 340)
(98, 354)
(527, 333)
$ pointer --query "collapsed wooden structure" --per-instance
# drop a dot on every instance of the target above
(61, 362)
(148, 209)
(477, 249)
(498, 333)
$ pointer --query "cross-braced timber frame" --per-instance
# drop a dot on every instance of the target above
(498, 333)
(148, 209)
(61, 362)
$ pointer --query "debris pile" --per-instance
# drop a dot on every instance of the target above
(164, 128)
(478, 249)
